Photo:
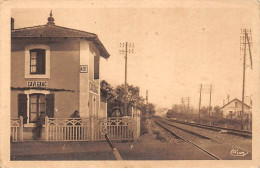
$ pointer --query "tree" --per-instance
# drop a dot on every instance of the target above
(106, 87)
(217, 111)
(151, 109)
(204, 110)
(115, 102)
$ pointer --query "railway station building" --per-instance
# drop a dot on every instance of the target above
(55, 71)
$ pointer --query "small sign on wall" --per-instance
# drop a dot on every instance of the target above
(83, 69)
(36, 83)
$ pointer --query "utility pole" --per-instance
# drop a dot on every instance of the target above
(147, 103)
(243, 86)
(127, 48)
(245, 40)
(185, 100)
(200, 101)
(188, 105)
(183, 105)
(210, 99)
(126, 87)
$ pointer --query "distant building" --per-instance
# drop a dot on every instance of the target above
(234, 108)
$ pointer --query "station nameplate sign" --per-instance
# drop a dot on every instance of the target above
(36, 83)
(83, 69)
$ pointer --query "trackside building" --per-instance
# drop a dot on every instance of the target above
(55, 71)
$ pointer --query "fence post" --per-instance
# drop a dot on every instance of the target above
(46, 128)
(21, 129)
(138, 126)
(134, 120)
(92, 128)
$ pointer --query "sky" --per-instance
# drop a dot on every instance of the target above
(176, 49)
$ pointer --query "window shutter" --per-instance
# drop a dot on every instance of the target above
(22, 106)
(96, 67)
(40, 61)
(49, 99)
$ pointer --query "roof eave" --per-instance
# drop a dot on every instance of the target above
(96, 41)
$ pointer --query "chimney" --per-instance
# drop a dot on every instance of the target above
(12, 23)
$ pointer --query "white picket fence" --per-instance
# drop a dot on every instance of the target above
(16, 129)
(66, 129)
(82, 129)
(91, 129)
(117, 128)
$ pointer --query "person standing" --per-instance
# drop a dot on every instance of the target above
(77, 123)
(39, 125)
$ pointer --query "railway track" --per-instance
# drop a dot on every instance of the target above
(247, 134)
(215, 149)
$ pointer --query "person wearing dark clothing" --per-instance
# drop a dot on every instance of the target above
(77, 126)
(75, 114)
(39, 124)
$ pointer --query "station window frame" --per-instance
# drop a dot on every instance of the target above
(28, 50)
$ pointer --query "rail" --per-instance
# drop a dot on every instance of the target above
(243, 133)
(190, 142)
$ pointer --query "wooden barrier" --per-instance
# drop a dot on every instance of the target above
(90, 129)
(66, 129)
(15, 124)
(83, 129)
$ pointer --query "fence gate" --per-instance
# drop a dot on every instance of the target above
(116, 128)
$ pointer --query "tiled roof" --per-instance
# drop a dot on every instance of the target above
(54, 31)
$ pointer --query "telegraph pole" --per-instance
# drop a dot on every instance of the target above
(147, 102)
(126, 87)
(200, 101)
(245, 40)
(188, 105)
(210, 99)
(183, 101)
(128, 49)
(243, 87)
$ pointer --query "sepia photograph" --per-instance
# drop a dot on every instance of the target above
(176, 81)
